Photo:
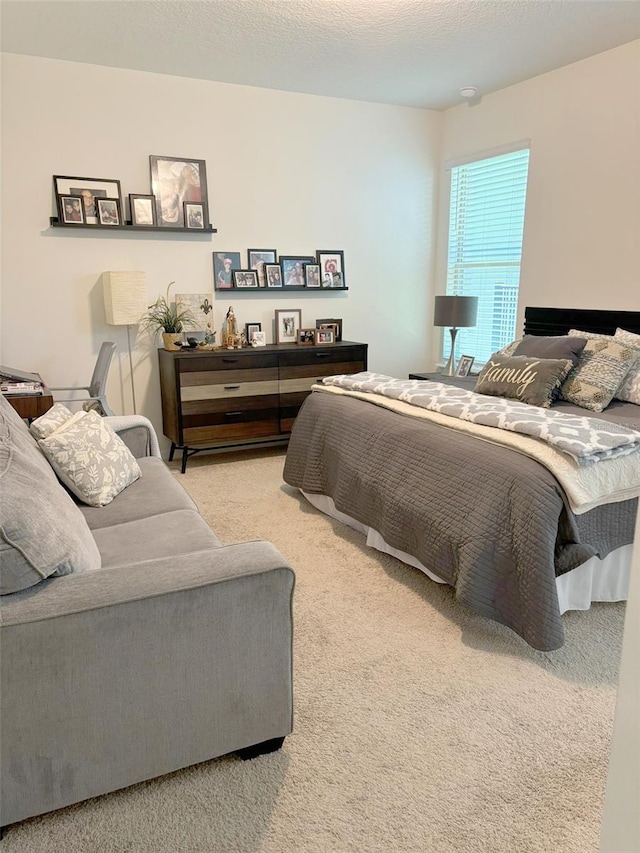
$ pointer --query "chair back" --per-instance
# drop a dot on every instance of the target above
(98, 384)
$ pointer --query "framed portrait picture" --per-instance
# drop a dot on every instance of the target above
(259, 339)
(175, 180)
(273, 274)
(464, 365)
(193, 214)
(108, 211)
(306, 336)
(143, 209)
(250, 329)
(331, 262)
(89, 189)
(331, 321)
(245, 278)
(325, 336)
(224, 263)
(288, 321)
(293, 270)
(312, 275)
(70, 210)
(200, 307)
(256, 260)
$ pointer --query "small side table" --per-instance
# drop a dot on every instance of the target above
(30, 406)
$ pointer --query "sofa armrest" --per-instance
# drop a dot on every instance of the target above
(138, 434)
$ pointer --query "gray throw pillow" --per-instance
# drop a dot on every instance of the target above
(518, 377)
(560, 346)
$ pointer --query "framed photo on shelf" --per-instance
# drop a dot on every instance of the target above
(89, 189)
(293, 269)
(331, 263)
(331, 321)
(306, 336)
(250, 329)
(256, 260)
(311, 275)
(288, 321)
(245, 278)
(224, 263)
(143, 209)
(325, 336)
(273, 274)
(464, 365)
(108, 211)
(70, 210)
(175, 180)
(193, 214)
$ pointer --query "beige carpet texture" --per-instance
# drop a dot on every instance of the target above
(418, 726)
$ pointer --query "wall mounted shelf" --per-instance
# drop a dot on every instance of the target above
(55, 223)
(278, 291)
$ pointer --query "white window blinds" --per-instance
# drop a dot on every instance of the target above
(486, 221)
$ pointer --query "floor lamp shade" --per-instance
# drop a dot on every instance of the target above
(125, 297)
(455, 312)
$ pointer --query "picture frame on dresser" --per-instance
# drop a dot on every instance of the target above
(288, 321)
(331, 321)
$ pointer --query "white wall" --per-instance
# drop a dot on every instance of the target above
(581, 239)
(285, 171)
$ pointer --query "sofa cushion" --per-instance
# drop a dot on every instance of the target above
(90, 458)
(154, 493)
(42, 531)
(43, 426)
(176, 534)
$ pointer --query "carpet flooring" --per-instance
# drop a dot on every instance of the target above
(418, 726)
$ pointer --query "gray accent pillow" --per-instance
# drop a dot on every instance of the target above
(629, 391)
(542, 346)
(603, 366)
(518, 377)
(42, 531)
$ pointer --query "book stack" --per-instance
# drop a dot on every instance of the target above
(14, 381)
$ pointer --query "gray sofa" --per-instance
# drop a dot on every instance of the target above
(175, 650)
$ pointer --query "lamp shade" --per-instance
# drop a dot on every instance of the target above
(125, 297)
(457, 311)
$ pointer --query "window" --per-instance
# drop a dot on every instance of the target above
(486, 221)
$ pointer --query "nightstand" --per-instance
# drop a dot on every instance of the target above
(467, 382)
(30, 406)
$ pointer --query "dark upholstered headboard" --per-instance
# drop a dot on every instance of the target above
(558, 321)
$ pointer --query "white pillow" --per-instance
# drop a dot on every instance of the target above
(90, 459)
(630, 388)
(43, 426)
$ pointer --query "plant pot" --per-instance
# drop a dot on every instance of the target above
(171, 340)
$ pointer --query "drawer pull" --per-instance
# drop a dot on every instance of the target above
(323, 354)
(230, 360)
(231, 387)
(232, 414)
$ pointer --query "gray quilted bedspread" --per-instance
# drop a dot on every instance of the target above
(489, 521)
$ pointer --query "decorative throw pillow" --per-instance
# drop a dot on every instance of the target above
(630, 388)
(530, 380)
(509, 349)
(43, 426)
(90, 459)
(560, 346)
(604, 364)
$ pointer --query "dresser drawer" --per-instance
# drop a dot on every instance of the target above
(228, 391)
(326, 355)
(232, 425)
(228, 360)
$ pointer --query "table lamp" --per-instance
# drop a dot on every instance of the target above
(456, 312)
(125, 301)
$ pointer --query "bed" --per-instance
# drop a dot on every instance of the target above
(517, 540)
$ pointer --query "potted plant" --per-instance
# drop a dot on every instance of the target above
(166, 317)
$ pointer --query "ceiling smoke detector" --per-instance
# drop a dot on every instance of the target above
(468, 92)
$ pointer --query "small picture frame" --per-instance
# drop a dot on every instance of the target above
(250, 329)
(108, 211)
(259, 339)
(293, 269)
(256, 260)
(311, 275)
(331, 321)
(143, 209)
(224, 263)
(288, 321)
(245, 278)
(325, 336)
(464, 365)
(71, 210)
(273, 275)
(306, 336)
(89, 189)
(331, 262)
(194, 215)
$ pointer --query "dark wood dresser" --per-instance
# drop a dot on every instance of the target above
(223, 400)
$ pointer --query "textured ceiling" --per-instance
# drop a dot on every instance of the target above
(410, 52)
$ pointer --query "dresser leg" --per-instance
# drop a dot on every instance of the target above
(172, 451)
(185, 456)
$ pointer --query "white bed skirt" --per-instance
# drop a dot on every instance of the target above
(595, 580)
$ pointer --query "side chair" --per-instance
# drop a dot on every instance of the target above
(97, 387)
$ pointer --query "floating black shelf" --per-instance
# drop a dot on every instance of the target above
(55, 223)
(278, 291)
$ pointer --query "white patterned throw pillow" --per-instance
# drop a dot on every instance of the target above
(603, 366)
(90, 459)
(43, 426)
(629, 391)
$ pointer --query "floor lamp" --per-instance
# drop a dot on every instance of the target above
(456, 312)
(125, 301)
